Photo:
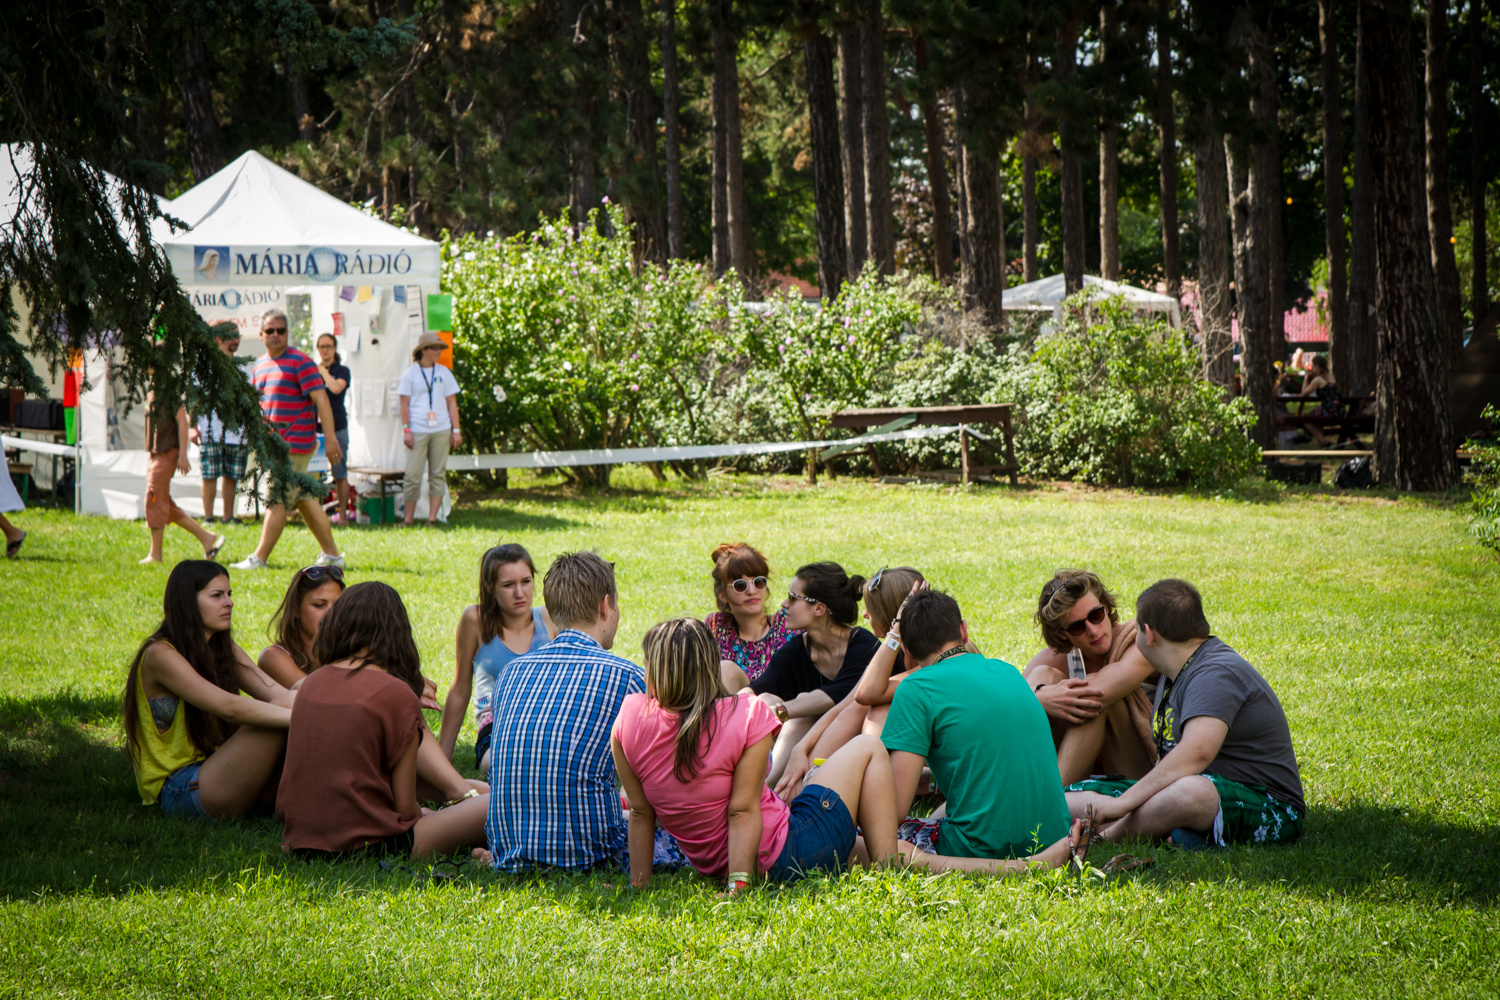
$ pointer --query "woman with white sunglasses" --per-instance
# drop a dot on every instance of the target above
(747, 635)
(1094, 684)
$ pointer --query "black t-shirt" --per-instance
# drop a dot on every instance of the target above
(336, 399)
(791, 671)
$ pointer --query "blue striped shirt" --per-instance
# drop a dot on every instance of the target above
(553, 799)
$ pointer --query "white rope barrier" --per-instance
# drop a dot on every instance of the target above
(44, 447)
(619, 456)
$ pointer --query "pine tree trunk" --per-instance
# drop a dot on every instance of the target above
(1333, 197)
(1212, 181)
(1411, 395)
(307, 126)
(1109, 163)
(741, 237)
(640, 185)
(583, 193)
(983, 246)
(1072, 169)
(937, 172)
(1267, 201)
(723, 67)
(1363, 319)
(852, 130)
(204, 150)
(671, 96)
(1030, 138)
(1479, 292)
(1439, 201)
(879, 213)
(1257, 351)
(1166, 124)
(828, 180)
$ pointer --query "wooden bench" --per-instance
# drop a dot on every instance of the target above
(1357, 418)
(995, 414)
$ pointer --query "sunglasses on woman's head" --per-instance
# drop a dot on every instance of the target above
(742, 585)
(1092, 618)
(874, 583)
(316, 573)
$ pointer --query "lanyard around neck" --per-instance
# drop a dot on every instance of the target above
(436, 378)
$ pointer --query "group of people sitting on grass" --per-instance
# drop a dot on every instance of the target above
(753, 745)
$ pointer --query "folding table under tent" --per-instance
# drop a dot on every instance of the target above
(258, 236)
(1047, 294)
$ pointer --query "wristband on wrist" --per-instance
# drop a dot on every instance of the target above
(892, 642)
(738, 881)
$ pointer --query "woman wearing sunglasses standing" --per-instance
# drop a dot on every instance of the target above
(1101, 721)
(747, 635)
(814, 671)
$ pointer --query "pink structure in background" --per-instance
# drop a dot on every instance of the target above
(1301, 323)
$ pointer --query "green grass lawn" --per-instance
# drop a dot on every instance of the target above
(1373, 616)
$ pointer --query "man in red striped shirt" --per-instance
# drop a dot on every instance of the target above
(291, 396)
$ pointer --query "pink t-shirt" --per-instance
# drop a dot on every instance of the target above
(697, 812)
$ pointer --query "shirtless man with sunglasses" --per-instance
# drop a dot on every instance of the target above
(1101, 723)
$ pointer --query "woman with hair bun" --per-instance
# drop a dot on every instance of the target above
(815, 670)
(1102, 717)
(747, 635)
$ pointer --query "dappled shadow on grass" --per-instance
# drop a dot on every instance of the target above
(1365, 850)
(72, 823)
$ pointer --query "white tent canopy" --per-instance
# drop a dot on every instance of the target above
(1047, 294)
(259, 236)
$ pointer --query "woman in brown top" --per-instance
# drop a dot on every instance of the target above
(1101, 722)
(350, 780)
(164, 442)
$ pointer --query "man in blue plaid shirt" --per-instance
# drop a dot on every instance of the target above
(553, 799)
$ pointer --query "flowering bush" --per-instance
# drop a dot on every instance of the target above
(1121, 401)
(573, 347)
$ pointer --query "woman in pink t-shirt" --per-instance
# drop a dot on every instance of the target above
(695, 757)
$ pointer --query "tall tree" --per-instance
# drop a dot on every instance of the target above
(1031, 139)
(936, 136)
(1333, 196)
(204, 149)
(983, 242)
(1439, 201)
(1109, 162)
(828, 180)
(672, 129)
(1072, 168)
(724, 73)
(1166, 124)
(640, 181)
(1414, 426)
(1479, 294)
(1268, 206)
(1363, 318)
(852, 127)
(741, 232)
(1258, 350)
(1211, 176)
(879, 214)
(584, 193)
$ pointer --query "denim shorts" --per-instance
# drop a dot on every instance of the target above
(179, 795)
(819, 836)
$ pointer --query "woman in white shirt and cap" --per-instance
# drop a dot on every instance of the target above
(429, 424)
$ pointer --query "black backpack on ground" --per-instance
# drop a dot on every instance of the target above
(1354, 474)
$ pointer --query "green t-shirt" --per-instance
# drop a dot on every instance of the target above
(986, 738)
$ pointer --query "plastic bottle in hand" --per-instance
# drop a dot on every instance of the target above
(1076, 669)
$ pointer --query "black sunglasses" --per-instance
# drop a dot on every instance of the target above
(316, 573)
(1092, 618)
(742, 585)
(273, 329)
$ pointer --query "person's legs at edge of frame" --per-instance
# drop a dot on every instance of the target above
(438, 446)
(10, 503)
(411, 485)
(276, 518)
(854, 784)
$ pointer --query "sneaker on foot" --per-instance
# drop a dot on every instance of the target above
(324, 559)
(252, 561)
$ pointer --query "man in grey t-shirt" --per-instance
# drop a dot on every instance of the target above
(1228, 773)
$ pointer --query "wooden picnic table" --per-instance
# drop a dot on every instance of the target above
(993, 413)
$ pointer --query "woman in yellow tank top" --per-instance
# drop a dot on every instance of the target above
(198, 746)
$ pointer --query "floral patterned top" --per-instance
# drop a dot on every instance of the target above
(751, 657)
